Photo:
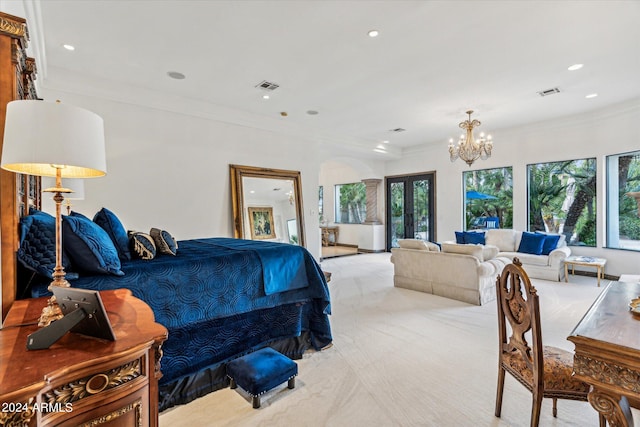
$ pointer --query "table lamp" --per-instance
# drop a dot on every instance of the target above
(55, 140)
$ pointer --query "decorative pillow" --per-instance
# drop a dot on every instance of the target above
(474, 237)
(89, 246)
(460, 237)
(142, 245)
(550, 242)
(165, 243)
(110, 223)
(531, 243)
(37, 250)
(78, 214)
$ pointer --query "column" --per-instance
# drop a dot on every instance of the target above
(372, 200)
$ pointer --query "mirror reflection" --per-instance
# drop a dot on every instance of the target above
(267, 204)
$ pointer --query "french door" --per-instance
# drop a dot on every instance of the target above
(410, 208)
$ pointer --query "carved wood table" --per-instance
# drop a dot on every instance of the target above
(607, 352)
(82, 381)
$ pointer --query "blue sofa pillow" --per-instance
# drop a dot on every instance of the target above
(110, 223)
(531, 243)
(550, 242)
(473, 237)
(37, 250)
(460, 237)
(89, 246)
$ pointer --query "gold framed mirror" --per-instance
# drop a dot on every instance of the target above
(267, 204)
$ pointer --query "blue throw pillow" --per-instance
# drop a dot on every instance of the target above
(473, 237)
(37, 250)
(165, 243)
(110, 223)
(460, 237)
(142, 245)
(89, 246)
(550, 242)
(531, 243)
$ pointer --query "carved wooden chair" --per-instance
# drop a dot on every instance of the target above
(545, 371)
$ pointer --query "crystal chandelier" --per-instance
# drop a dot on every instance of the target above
(470, 149)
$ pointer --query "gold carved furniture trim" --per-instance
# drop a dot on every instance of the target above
(607, 353)
(93, 381)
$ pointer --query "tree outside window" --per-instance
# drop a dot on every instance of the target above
(623, 201)
(562, 199)
(351, 203)
(488, 194)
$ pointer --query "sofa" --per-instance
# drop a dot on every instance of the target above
(546, 265)
(465, 273)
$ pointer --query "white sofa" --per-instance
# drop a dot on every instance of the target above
(466, 273)
(547, 267)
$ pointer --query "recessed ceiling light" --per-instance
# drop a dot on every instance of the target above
(176, 75)
(381, 147)
(591, 95)
(373, 33)
(312, 112)
(575, 67)
(385, 142)
(68, 47)
(265, 96)
(377, 150)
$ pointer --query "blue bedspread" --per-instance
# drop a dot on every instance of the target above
(214, 278)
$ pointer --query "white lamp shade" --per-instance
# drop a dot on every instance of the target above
(40, 137)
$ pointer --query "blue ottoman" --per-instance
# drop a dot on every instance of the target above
(260, 371)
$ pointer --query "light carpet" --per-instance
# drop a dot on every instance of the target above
(404, 358)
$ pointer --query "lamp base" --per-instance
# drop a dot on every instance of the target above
(52, 311)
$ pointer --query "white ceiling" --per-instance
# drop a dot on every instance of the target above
(432, 61)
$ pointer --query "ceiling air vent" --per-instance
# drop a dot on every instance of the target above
(549, 91)
(397, 130)
(265, 85)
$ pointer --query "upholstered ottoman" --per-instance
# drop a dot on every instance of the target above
(260, 371)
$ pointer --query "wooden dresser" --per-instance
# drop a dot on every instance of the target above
(82, 381)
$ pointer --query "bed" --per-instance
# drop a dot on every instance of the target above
(219, 298)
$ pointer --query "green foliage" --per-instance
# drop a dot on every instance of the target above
(494, 182)
(353, 202)
(630, 227)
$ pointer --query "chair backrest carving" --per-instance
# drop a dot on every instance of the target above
(518, 305)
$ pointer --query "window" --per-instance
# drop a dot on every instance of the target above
(351, 203)
(488, 198)
(562, 199)
(623, 201)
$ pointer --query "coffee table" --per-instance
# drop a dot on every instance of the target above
(585, 261)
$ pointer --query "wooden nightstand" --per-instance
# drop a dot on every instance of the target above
(82, 381)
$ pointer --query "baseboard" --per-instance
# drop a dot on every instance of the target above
(370, 251)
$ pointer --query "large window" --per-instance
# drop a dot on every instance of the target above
(488, 198)
(562, 199)
(351, 203)
(623, 201)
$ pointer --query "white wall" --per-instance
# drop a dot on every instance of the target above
(610, 131)
(171, 171)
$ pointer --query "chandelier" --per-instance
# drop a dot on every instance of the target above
(470, 149)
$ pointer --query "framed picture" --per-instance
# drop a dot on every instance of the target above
(261, 223)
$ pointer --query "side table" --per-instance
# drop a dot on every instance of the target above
(585, 261)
